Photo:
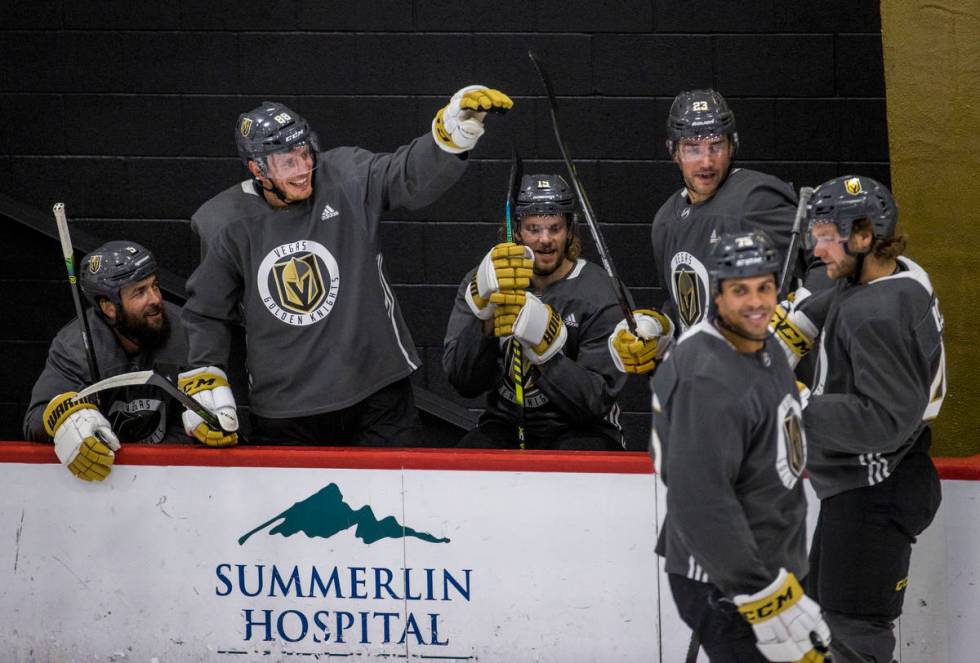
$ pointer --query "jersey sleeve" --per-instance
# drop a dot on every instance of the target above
(706, 435)
(889, 395)
(585, 388)
(65, 369)
(470, 359)
(413, 176)
(213, 294)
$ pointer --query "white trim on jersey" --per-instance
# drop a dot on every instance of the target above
(577, 269)
(390, 311)
(249, 188)
(694, 571)
(655, 443)
(877, 467)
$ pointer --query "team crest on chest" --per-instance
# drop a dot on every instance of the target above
(791, 442)
(299, 282)
(689, 288)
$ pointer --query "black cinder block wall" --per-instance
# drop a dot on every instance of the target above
(125, 111)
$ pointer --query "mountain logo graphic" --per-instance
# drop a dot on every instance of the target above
(325, 513)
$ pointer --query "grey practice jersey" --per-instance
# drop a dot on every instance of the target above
(137, 414)
(576, 389)
(322, 326)
(683, 234)
(880, 375)
(728, 442)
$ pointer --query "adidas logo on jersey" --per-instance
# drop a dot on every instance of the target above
(328, 213)
(714, 236)
(570, 320)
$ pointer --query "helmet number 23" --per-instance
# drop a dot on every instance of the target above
(699, 106)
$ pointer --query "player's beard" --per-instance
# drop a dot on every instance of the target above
(138, 329)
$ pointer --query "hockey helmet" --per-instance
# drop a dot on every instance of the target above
(109, 268)
(699, 114)
(742, 255)
(545, 195)
(844, 200)
(271, 128)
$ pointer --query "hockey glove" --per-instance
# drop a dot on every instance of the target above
(639, 354)
(508, 305)
(83, 439)
(794, 331)
(209, 387)
(783, 617)
(540, 330)
(458, 125)
(502, 276)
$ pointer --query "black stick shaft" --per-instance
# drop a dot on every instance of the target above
(794, 241)
(590, 218)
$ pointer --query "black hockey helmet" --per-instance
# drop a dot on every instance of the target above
(844, 200)
(544, 194)
(269, 129)
(113, 265)
(742, 255)
(699, 114)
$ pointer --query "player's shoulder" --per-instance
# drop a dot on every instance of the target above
(905, 293)
(667, 210)
(745, 183)
(703, 355)
(234, 205)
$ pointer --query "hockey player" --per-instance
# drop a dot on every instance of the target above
(716, 198)
(734, 537)
(880, 379)
(293, 253)
(570, 384)
(132, 329)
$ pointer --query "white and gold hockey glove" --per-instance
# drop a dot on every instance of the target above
(783, 617)
(497, 288)
(458, 125)
(209, 387)
(794, 330)
(540, 330)
(83, 439)
(640, 353)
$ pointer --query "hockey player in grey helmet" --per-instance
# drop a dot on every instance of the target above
(880, 379)
(716, 198)
(293, 253)
(538, 292)
(734, 537)
(132, 329)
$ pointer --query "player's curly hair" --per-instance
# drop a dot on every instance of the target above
(884, 248)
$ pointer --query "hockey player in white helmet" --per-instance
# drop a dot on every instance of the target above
(293, 254)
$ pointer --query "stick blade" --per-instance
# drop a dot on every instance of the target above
(116, 381)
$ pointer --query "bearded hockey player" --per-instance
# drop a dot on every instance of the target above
(734, 537)
(880, 379)
(702, 140)
(569, 383)
(132, 329)
(293, 254)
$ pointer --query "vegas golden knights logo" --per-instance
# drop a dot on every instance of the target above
(688, 296)
(795, 454)
(95, 264)
(299, 283)
(246, 126)
(853, 186)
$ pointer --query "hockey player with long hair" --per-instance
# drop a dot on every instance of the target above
(538, 292)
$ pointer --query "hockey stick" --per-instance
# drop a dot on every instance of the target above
(794, 241)
(153, 378)
(68, 252)
(517, 351)
(583, 198)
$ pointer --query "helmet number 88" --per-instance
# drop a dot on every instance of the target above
(282, 118)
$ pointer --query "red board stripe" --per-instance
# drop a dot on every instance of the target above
(966, 469)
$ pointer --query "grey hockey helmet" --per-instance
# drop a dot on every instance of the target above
(844, 200)
(699, 114)
(270, 129)
(113, 265)
(742, 255)
(544, 194)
